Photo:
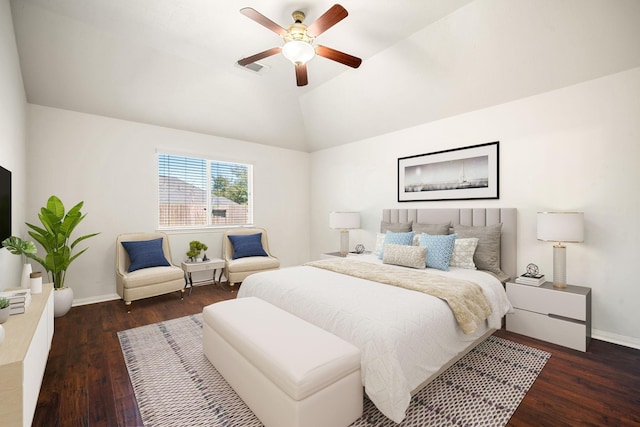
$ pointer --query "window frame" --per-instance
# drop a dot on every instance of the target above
(209, 161)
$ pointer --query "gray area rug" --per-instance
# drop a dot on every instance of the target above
(175, 385)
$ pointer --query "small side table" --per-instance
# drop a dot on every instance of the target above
(212, 264)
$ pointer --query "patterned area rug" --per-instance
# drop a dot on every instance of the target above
(175, 385)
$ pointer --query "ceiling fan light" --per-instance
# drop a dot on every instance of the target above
(298, 52)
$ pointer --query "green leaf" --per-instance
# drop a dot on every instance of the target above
(54, 236)
(55, 206)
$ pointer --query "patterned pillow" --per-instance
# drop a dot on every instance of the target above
(397, 239)
(463, 251)
(379, 244)
(439, 249)
(406, 256)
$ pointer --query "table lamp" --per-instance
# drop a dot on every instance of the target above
(344, 221)
(560, 227)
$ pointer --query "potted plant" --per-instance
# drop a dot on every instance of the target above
(5, 309)
(17, 246)
(55, 238)
(195, 247)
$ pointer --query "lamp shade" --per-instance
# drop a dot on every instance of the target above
(344, 220)
(561, 226)
(298, 52)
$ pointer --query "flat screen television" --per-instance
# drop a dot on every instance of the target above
(5, 203)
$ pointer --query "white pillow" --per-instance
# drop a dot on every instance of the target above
(405, 255)
(463, 251)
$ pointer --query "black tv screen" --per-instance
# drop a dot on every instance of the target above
(5, 203)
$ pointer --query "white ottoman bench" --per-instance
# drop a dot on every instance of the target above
(289, 372)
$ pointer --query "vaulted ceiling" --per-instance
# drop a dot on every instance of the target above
(172, 62)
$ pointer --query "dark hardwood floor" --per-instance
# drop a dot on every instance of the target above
(86, 382)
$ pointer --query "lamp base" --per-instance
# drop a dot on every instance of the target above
(344, 242)
(559, 266)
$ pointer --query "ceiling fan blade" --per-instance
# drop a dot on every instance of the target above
(301, 74)
(263, 20)
(258, 56)
(331, 17)
(336, 55)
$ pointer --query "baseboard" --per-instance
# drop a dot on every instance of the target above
(616, 339)
(94, 300)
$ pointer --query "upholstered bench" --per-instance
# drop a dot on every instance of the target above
(289, 372)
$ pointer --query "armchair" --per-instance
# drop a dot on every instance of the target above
(153, 274)
(236, 270)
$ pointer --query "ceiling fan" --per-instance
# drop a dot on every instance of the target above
(298, 40)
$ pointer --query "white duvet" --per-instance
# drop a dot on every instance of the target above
(404, 336)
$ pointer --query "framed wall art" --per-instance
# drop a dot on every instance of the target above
(458, 174)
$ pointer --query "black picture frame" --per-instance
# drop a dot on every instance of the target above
(464, 173)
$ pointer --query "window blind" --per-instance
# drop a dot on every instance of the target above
(197, 192)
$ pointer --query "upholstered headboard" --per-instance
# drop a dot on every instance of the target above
(468, 216)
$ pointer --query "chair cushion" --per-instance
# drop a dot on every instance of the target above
(252, 263)
(247, 245)
(152, 276)
(145, 254)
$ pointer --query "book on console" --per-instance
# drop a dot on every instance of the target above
(16, 296)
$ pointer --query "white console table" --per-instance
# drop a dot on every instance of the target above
(23, 358)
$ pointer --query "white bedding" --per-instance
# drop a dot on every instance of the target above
(404, 336)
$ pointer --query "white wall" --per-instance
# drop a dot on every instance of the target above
(111, 165)
(576, 148)
(486, 53)
(12, 139)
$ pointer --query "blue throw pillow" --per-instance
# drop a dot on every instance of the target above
(246, 245)
(439, 249)
(396, 239)
(145, 254)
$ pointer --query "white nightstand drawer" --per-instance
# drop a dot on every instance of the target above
(558, 331)
(545, 299)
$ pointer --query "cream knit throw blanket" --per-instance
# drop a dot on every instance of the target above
(466, 299)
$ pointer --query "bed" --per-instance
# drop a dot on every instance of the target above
(406, 338)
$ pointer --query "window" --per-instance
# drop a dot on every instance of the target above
(197, 192)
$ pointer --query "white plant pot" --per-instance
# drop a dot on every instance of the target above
(25, 281)
(62, 300)
(4, 314)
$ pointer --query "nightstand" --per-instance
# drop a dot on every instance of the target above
(328, 255)
(561, 316)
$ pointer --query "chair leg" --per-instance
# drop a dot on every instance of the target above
(182, 294)
(127, 304)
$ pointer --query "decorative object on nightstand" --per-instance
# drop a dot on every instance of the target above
(344, 221)
(359, 248)
(532, 277)
(560, 227)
